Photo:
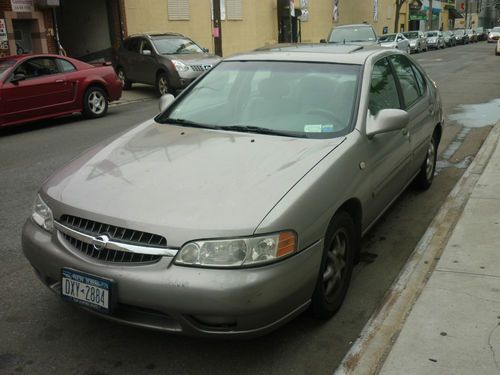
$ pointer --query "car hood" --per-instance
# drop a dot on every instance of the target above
(184, 183)
(195, 58)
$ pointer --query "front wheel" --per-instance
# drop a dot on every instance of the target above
(162, 84)
(424, 179)
(95, 102)
(336, 266)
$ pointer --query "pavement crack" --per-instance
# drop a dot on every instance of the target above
(491, 346)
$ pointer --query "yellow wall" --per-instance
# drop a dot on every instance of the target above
(259, 25)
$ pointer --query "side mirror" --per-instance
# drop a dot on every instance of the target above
(18, 77)
(322, 41)
(165, 101)
(206, 50)
(146, 52)
(387, 120)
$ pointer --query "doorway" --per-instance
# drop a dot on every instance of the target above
(23, 30)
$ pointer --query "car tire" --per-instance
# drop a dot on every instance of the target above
(336, 266)
(162, 84)
(95, 102)
(424, 179)
(126, 84)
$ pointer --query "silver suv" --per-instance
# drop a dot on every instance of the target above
(169, 61)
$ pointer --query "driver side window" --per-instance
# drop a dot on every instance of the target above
(37, 67)
(383, 89)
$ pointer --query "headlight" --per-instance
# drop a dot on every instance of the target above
(180, 66)
(238, 252)
(42, 215)
(413, 43)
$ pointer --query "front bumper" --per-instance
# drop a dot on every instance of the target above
(187, 300)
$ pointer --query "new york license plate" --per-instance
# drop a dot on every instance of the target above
(87, 290)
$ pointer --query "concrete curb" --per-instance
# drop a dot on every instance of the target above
(370, 350)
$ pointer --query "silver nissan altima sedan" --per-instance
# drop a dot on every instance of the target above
(242, 204)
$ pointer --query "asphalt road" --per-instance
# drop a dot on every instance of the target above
(40, 334)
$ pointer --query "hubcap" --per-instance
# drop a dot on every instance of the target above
(162, 85)
(97, 102)
(430, 161)
(335, 263)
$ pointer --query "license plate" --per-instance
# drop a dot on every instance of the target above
(87, 290)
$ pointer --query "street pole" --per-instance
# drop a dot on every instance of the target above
(217, 28)
(429, 23)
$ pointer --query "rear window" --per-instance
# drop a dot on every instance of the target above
(352, 34)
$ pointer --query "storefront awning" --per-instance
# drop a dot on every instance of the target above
(453, 13)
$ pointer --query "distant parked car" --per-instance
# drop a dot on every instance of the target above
(362, 34)
(494, 35)
(244, 202)
(481, 33)
(449, 38)
(461, 36)
(418, 42)
(435, 39)
(396, 40)
(472, 35)
(168, 61)
(35, 87)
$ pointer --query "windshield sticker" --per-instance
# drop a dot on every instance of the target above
(318, 128)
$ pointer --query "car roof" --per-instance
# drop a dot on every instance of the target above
(27, 55)
(155, 34)
(354, 25)
(323, 52)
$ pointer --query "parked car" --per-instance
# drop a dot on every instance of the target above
(461, 36)
(418, 42)
(449, 38)
(481, 33)
(472, 35)
(168, 61)
(435, 39)
(361, 34)
(494, 35)
(497, 50)
(243, 203)
(35, 87)
(397, 40)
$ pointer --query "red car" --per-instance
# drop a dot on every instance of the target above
(34, 87)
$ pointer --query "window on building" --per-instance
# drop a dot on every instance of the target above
(234, 10)
(383, 89)
(178, 10)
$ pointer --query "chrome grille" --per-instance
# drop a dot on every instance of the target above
(200, 68)
(123, 235)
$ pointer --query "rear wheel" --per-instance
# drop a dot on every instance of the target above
(336, 266)
(95, 102)
(126, 84)
(425, 177)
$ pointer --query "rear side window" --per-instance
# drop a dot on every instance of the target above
(66, 66)
(132, 45)
(407, 80)
(383, 89)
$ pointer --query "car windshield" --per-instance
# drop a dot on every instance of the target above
(413, 35)
(387, 38)
(432, 33)
(352, 34)
(6, 65)
(176, 46)
(297, 99)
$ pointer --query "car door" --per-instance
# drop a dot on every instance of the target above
(42, 91)
(146, 68)
(131, 59)
(390, 153)
(418, 102)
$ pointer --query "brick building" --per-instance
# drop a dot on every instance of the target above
(26, 26)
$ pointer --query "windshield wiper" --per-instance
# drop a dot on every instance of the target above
(259, 130)
(184, 122)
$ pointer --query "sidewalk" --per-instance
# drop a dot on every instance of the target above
(442, 315)
(138, 93)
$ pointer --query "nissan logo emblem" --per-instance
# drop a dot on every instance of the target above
(100, 242)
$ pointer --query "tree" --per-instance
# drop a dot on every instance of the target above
(399, 5)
